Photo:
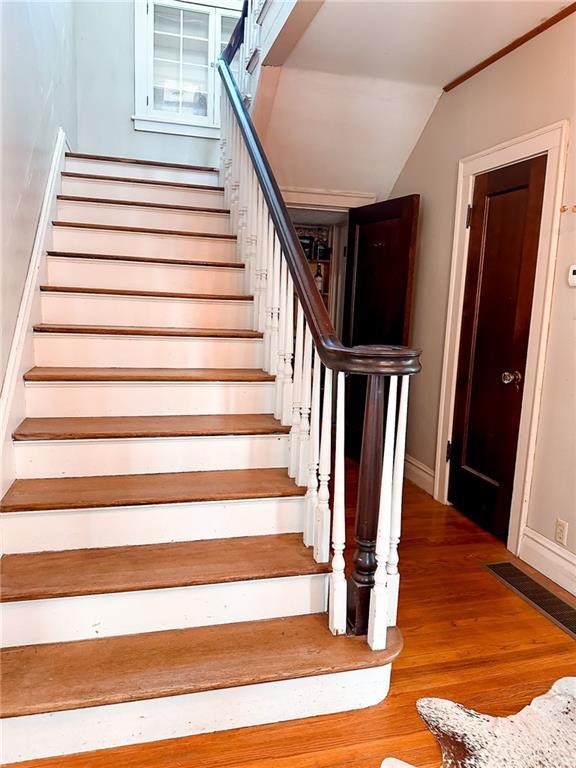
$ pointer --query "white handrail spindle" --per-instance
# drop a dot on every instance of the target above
(322, 527)
(281, 372)
(288, 353)
(275, 309)
(296, 385)
(393, 579)
(313, 451)
(337, 596)
(378, 618)
(305, 395)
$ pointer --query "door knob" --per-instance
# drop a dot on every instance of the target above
(509, 377)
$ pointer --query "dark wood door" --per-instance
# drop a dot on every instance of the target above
(502, 252)
(378, 292)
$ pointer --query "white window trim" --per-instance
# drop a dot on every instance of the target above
(146, 118)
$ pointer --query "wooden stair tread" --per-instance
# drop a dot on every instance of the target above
(102, 427)
(86, 673)
(137, 490)
(137, 161)
(141, 230)
(41, 575)
(152, 294)
(140, 204)
(137, 330)
(153, 182)
(147, 259)
(39, 373)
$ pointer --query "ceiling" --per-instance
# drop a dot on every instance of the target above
(425, 41)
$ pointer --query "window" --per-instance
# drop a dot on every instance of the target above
(177, 44)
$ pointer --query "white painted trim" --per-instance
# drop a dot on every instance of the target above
(553, 141)
(160, 125)
(325, 199)
(21, 355)
(68, 619)
(419, 474)
(82, 730)
(549, 558)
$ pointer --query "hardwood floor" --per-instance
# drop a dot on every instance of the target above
(467, 637)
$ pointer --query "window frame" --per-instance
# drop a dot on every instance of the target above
(146, 117)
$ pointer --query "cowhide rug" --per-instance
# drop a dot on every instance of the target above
(542, 735)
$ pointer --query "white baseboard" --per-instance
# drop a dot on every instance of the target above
(549, 558)
(419, 474)
(21, 355)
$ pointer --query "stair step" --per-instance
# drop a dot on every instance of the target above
(126, 330)
(39, 373)
(137, 490)
(151, 294)
(138, 161)
(141, 230)
(106, 427)
(71, 573)
(141, 204)
(131, 180)
(146, 259)
(141, 169)
(91, 673)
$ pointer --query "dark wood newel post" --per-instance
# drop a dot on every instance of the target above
(368, 500)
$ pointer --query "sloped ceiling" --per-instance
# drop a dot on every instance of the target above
(358, 87)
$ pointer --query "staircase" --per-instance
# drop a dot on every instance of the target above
(155, 582)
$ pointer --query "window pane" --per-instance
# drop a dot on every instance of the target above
(228, 24)
(195, 52)
(166, 47)
(166, 19)
(196, 24)
(195, 90)
(166, 86)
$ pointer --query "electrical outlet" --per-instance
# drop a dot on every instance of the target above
(561, 532)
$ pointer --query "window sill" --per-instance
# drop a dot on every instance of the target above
(162, 125)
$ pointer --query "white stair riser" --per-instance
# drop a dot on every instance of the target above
(136, 171)
(148, 398)
(55, 530)
(148, 455)
(81, 350)
(78, 240)
(83, 730)
(145, 193)
(133, 216)
(59, 620)
(131, 275)
(101, 309)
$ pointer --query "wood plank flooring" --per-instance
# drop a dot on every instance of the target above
(466, 636)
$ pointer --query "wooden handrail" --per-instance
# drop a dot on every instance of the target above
(372, 359)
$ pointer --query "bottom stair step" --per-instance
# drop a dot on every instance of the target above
(126, 690)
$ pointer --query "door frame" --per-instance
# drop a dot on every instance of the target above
(551, 140)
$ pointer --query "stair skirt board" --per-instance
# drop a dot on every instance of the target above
(106, 309)
(81, 730)
(141, 192)
(144, 216)
(63, 619)
(148, 455)
(88, 350)
(137, 171)
(119, 243)
(148, 398)
(63, 529)
(142, 276)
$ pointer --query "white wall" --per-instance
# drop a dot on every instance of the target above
(105, 40)
(336, 132)
(532, 87)
(38, 95)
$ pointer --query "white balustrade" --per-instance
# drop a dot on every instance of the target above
(313, 455)
(296, 389)
(305, 398)
(281, 371)
(288, 353)
(322, 522)
(378, 619)
(337, 596)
